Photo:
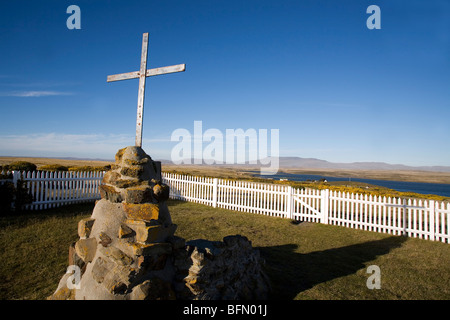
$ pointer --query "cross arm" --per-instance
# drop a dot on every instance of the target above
(123, 76)
(149, 73)
(165, 70)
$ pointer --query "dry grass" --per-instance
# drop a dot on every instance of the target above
(52, 161)
(303, 261)
(316, 261)
(34, 250)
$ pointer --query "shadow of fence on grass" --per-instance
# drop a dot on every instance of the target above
(291, 272)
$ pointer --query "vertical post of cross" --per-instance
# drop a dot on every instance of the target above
(142, 76)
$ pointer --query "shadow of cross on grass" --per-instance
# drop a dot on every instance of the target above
(291, 272)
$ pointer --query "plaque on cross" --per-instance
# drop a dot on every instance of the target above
(142, 74)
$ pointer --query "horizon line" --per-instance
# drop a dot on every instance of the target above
(247, 163)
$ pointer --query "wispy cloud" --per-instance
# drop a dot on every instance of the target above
(36, 93)
(59, 144)
(102, 146)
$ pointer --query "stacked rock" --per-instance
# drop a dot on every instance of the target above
(123, 247)
(220, 270)
(127, 249)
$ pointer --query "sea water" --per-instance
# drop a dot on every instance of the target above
(439, 189)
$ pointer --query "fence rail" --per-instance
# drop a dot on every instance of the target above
(53, 189)
(426, 219)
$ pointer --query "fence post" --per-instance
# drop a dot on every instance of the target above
(289, 213)
(215, 191)
(324, 205)
(405, 220)
(431, 221)
(16, 177)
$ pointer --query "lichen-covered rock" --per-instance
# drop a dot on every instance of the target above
(133, 179)
(127, 248)
(63, 292)
(85, 227)
(153, 289)
(161, 192)
(74, 258)
(86, 249)
(215, 270)
(141, 211)
(110, 193)
(139, 194)
(123, 243)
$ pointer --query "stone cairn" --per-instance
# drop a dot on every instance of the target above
(128, 251)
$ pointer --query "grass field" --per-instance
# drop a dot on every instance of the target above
(51, 161)
(303, 261)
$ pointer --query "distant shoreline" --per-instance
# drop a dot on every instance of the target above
(392, 175)
(345, 174)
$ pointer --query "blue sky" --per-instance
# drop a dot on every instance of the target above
(312, 69)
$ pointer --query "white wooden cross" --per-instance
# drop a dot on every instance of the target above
(142, 74)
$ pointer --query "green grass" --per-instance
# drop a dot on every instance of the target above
(303, 261)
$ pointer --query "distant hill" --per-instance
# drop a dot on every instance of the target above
(284, 163)
(297, 162)
(312, 163)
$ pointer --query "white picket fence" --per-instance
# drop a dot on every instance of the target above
(53, 189)
(426, 219)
